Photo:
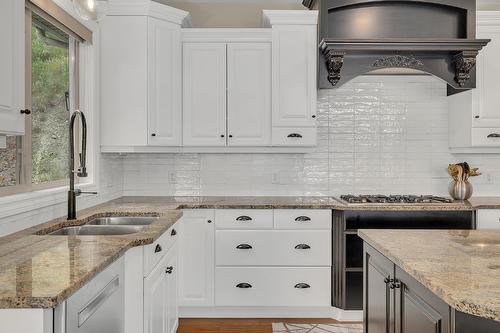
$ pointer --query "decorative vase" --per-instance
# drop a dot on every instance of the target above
(460, 190)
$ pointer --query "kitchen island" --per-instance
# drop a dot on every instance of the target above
(431, 281)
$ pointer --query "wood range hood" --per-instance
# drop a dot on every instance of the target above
(431, 36)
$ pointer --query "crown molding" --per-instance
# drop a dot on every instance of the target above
(149, 8)
(289, 17)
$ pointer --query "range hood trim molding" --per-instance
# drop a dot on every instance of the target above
(399, 53)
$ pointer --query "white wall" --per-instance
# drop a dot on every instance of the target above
(377, 134)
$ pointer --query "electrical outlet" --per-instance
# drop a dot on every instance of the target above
(276, 178)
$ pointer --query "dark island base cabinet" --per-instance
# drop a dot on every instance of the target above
(394, 302)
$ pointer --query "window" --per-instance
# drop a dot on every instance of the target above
(40, 158)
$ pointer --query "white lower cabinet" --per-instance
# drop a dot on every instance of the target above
(272, 286)
(151, 285)
(155, 301)
(273, 248)
(197, 258)
(488, 219)
(259, 258)
(160, 296)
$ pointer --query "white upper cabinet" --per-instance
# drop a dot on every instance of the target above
(124, 80)
(204, 94)
(227, 94)
(474, 116)
(164, 88)
(487, 99)
(295, 49)
(169, 89)
(249, 94)
(12, 64)
(141, 75)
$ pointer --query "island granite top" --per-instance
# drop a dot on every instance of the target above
(460, 267)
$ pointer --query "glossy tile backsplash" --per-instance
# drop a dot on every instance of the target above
(377, 134)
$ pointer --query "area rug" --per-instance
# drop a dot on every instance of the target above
(317, 328)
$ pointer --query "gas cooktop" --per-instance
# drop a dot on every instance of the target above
(394, 199)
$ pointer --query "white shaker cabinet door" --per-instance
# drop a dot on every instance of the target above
(294, 75)
(249, 94)
(12, 39)
(124, 81)
(204, 94)
(487, 110)
(155, 300)
(164, 87)
(172, 293)
(197, 258)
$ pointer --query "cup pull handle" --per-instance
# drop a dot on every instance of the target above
(302, 247)
(243, 218)
(244, 285)
(494, 135)
(244, 247)
(295, 135)
(302, 219)
(302, 286)
(158, 248)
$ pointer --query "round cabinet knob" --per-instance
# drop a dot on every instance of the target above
(222, 135)
(209, 221)
(477, 117)
(313, 116)
(230, 135)
(25, 111)
(153, 134)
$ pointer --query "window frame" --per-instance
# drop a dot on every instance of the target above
(81, 90)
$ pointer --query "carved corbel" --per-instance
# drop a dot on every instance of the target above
(464, 62)
(334, 63)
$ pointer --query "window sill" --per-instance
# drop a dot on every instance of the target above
(29, 201)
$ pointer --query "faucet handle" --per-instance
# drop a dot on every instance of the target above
(80, 192)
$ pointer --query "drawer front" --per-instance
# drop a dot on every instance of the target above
(488, 219)
(293, 137)
(273, 248)
(486, 137)
(302, 219)
(273, 286)
(244, 219)
(153, 253)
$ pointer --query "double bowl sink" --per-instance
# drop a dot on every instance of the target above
(108, 226)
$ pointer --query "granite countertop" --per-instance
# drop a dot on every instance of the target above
(41, 271)
(461, 267)
(28, 259)
(281, 202)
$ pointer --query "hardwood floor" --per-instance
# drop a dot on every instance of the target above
(239, 325)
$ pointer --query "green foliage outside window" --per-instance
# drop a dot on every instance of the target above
(50, 80)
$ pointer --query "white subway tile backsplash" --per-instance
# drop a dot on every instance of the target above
(377, 134)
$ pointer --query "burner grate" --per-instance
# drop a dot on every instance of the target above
(394, 199)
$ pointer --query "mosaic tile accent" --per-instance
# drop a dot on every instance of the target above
(317, 328)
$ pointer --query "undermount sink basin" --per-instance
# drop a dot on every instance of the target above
(123, 220)
(96, 230)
